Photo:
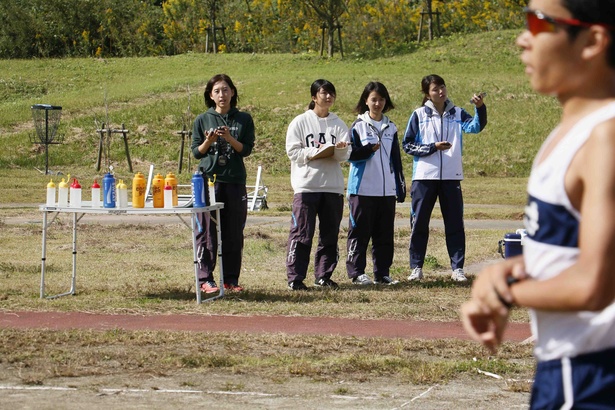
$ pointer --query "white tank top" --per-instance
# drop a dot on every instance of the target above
(551, 246)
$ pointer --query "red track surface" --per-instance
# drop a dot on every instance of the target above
(249, 324)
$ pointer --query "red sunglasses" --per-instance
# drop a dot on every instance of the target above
(537, 22)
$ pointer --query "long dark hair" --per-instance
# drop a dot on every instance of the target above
(427, 81)
(593, 11)
(381, 90)
(210, 86)
(316, 86)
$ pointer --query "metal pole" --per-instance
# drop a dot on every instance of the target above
(195, 258)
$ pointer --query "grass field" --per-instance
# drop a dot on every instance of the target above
(140, 268)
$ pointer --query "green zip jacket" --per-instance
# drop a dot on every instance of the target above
(221, 159)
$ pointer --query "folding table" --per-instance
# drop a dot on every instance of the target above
(86, 209)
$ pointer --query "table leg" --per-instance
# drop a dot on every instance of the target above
(194, 259)
(219, 236)
(44, 255)
(74, 273)
(74, 281)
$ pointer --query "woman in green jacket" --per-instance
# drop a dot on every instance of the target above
(221, 137)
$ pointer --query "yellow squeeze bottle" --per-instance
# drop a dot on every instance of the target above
(138, 191)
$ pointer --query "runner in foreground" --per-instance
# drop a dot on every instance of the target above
(566, 275)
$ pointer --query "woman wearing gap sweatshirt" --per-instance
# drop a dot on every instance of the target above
(316, 144)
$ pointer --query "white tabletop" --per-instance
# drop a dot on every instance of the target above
(86, 208)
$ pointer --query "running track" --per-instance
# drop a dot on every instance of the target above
(387, 328)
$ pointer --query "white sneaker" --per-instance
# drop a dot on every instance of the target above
(458, 275)
(417, 274)
(362, 280)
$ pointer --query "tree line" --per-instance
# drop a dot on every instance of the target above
(122, 28)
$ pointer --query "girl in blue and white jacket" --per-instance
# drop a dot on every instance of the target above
(375, 181)
(434, 137)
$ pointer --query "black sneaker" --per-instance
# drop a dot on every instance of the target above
(385, 280)
(297, 285)
(326, 283)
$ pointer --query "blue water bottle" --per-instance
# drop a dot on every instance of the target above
(108, 191)
(198, 190)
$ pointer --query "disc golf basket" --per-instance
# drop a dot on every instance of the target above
(46, 121)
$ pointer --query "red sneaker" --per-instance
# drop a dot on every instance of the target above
(232, 288)
(209, 287)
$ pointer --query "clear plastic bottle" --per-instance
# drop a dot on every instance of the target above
(51, 194)
(170, 179)
(168, 196)
(75, 194)
(212, 190)
(122, 195)
(63, 193)
(95, 195)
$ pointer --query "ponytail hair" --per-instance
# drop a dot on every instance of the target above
(317, 86)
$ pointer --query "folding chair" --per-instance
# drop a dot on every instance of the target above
(257, 193)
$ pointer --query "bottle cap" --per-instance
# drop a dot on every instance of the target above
(139, 175)
(63, 184)
(168, 187)
(95, 184)
(121, 185)
(51, 184)
(75, 184)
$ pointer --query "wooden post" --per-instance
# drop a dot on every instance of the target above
(183, 133)
(125, 136)
(100, 146)
(224, 37)
(207, 41)
(108, 130)
(339, 36)
(212, 32)
(322, 40)
(430, 30)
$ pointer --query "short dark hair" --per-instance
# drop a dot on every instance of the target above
(427, 81)
(317, 86)
(210, 86)
(381, 90)
(593, 11)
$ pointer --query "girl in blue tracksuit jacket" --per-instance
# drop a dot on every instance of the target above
(434, 137)
(375, 181)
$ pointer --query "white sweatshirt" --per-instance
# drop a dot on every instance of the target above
(305, 134)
